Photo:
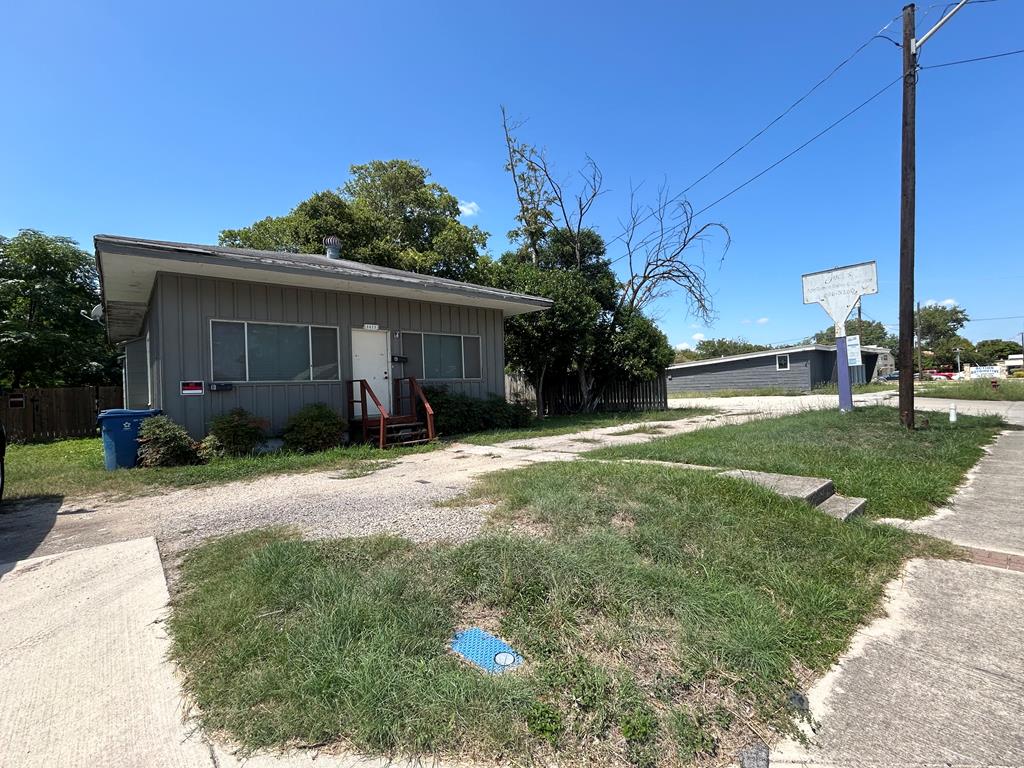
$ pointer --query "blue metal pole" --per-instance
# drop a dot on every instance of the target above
(843, 374)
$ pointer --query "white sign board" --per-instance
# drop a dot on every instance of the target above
(837, 290)
(984, 372)
(853, 351)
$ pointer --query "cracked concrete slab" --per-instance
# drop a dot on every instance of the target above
(939, 681)
(988, 511)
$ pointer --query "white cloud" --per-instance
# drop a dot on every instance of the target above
(745, 322)
(468, 208)
(762, 321)
(698, 337)
(695, 325)
(684, 346)
(943, 303)
(949, 302)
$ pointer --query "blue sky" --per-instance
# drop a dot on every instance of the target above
(176, 120)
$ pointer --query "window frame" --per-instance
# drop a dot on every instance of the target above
(462, 346)
(780, 368)
(309, 343)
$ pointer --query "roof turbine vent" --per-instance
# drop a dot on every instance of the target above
(333, 245)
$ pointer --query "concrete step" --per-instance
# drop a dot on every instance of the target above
(843, 507)
(813, 490)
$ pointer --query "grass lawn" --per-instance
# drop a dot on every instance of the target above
(866, 453)
(664, 615)
(976, 389)
(74, 468)
(578, 422)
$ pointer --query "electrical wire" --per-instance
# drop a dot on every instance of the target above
(807, 143)
(878, 35)
(976, 58)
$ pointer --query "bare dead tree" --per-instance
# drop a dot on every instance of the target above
(538, 190)
(658, 240)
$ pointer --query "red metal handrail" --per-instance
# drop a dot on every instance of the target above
(382, 425)
(415, 389)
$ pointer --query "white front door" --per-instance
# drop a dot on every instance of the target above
(371, 360)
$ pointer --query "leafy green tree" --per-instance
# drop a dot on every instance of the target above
(871, 332)
(387, 214)
(546, 345)
(990, 350)
(708, 348)
(944, 352)
(46, 283)
(937, 322)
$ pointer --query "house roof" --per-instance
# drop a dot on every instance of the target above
(768, 353)
(128, 267)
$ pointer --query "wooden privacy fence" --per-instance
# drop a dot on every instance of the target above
(566, 396)
(45, 414)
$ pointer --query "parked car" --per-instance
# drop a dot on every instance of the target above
(891, 376)
(3, 453)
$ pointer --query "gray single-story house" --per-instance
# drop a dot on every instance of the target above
(206, 329)
(799, 368)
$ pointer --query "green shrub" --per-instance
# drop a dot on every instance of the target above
(456, 414)
(238, 432)
(210, 448)
(163, 443)
(313, 428)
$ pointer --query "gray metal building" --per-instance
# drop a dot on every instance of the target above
(800, 368)
(206, 329)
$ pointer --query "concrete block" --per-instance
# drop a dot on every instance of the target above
(813, 490)
(843, 507)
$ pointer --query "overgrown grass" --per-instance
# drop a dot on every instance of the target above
(74, 468)
(656, 609)
(578, 422)
(974, 389)
(866, 453)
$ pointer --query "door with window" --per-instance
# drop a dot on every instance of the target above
(371, 360)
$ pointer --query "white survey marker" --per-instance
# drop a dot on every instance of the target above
(837, 290)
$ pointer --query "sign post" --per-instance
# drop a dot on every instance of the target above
(837, 291)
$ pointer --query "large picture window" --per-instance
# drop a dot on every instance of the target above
(441, 356)
(243, 351)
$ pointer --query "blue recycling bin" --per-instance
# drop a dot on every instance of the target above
(120, 430)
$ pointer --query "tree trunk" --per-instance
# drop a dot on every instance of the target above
(538, 387)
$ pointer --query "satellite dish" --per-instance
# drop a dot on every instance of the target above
(97, 313)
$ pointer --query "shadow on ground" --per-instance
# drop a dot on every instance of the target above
(24, 525)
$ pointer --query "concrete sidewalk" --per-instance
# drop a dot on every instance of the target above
(939, 681)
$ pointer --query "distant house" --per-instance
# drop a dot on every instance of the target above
(799, 368)
(206, 329)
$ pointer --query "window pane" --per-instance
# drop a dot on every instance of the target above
(471, 347)
(443, 356)
(228, 342)
(325, 353)
(278, 352)
(412, 348)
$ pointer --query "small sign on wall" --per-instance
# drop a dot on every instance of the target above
(16, 400)
(853, 355)
(371, 327)
(189, 388)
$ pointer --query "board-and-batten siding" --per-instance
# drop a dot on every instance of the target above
(136, 374)
(752, 373)
(182, 307)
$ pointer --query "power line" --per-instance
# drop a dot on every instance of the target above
(811, 140)
(878, 35)
(977, 58)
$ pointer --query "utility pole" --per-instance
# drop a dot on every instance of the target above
(907, 203)
(957, 350)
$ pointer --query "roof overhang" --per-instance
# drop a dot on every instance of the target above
(128, 268)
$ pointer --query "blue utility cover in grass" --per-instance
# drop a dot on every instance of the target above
(482, 649)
